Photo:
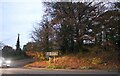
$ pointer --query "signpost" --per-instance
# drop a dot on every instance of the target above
(52, 54)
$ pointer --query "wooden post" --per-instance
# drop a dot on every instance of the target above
(54, 59)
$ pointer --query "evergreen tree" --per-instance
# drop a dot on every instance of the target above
(18, 44)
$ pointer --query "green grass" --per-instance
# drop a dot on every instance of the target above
(56, 67)
(87, 67)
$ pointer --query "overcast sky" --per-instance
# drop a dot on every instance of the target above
(18, 16)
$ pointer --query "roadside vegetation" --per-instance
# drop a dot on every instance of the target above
(103, 61)
(13, 54)
(10, 53)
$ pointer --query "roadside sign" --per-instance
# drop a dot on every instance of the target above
(52, 53)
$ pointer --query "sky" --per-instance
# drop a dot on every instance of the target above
(18, 16)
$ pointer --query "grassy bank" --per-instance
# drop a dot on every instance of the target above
(102, 61)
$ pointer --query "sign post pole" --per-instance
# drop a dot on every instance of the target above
(53, 54)
(54, 59)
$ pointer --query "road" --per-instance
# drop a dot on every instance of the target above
(20, 63)
(45, 71)
(18, 69)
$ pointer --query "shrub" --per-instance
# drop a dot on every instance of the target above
(97, 61)
(36, 55)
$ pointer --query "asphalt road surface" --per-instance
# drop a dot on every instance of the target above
(17, 69)
(45, 72)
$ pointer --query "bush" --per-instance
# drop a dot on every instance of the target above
(97, 61)
(36, 55)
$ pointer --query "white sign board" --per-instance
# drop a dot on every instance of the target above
(52, 53)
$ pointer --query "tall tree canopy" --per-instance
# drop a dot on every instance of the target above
(65, 24)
